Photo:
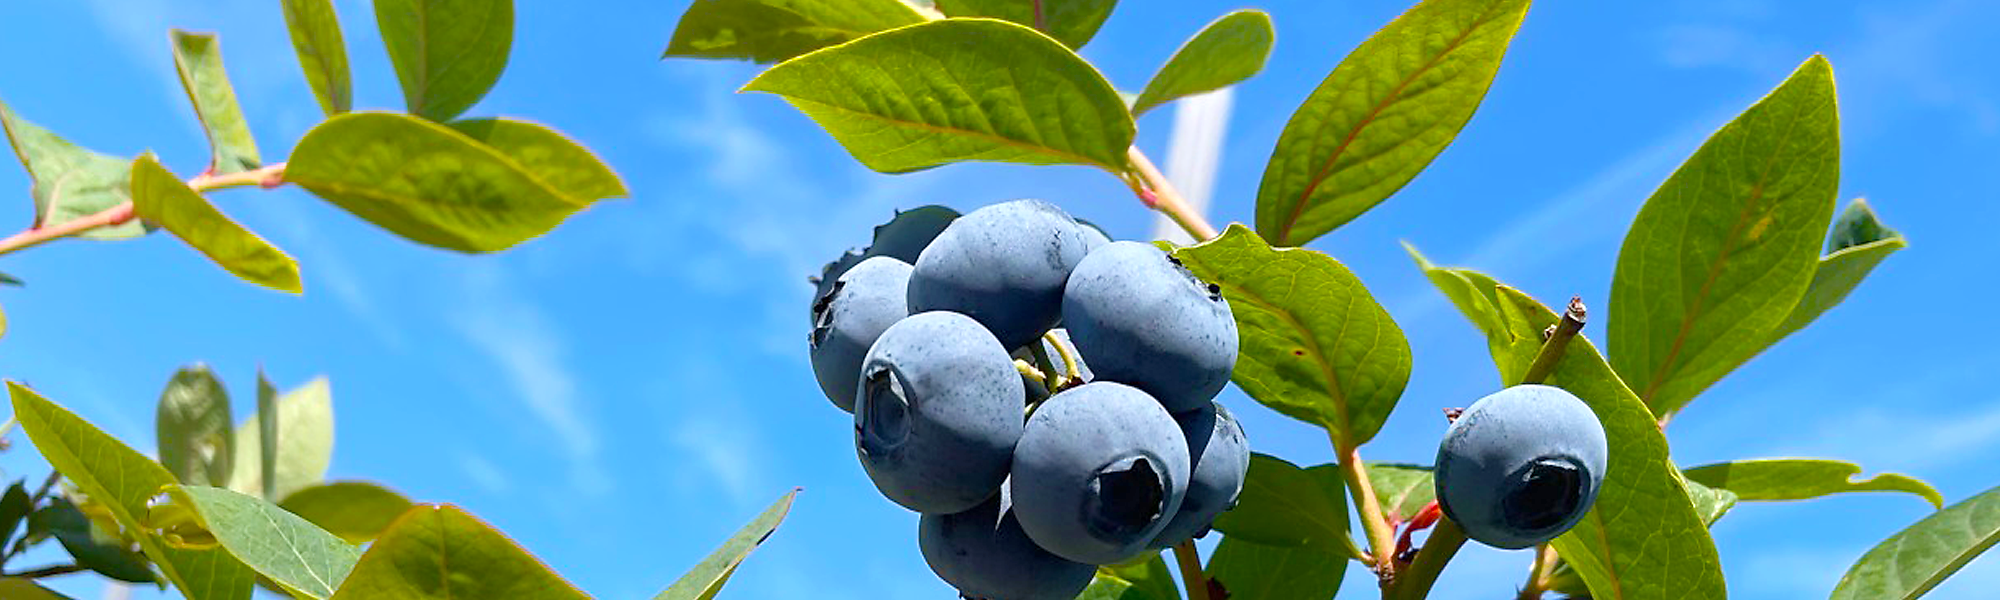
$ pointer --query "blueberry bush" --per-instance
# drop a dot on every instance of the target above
(1023, 489)
(224, 507)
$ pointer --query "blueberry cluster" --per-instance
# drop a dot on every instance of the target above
(1029, 471)
(1521, 466)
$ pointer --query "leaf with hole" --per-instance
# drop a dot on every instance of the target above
(1383, 115)
(302, 558)
(957, 90)
(1918, 558)
(198, 57)
(426, 182)
(1072, 22)
(322, 53)
(447, 53)
(1770, 479)
(71, 182)
(1227, 51)
(193, 427)
(438, 552)
(768, 31)
(707, 577)
(1726, 248)
(1315, 345)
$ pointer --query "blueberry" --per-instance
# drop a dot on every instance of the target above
(1221, 458)
(1003, 265)
(823, 282)
(906, 235)
(937, 413)
(856, 309)
(1521, 466)
(984, 554)
(1099, 471)
(1141, 319)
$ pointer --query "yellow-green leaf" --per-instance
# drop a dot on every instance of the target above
(707, 577)
(1916, 559)
(299, 556)
(1804, 478)
(438, 552)
(14, 588)
(768, 31)
(71, 182)
(322, 53)
(566, 166)
(1247, 569)
(1073, 22)
(356, 511)
(426, 182)
(957, 90)
(198, 56)
(1382, 115)
(447, 53)
(304, 446)
(161, 198)
(1227, 51)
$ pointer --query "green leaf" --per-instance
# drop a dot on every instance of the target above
(1711, 503)
(159, 197)
(426, 182)
(1143, 578)
(6, 279)
(957, 90)
(1803, 478)
(1284, 505)
(447, 53)
(26, 589)
(304, 446)
(1918, 558)
(768, 31)
(1723, 251)
(322, 53)
(354, 510)
(125, 481)
(268, 419)
(71, 182)
(1644, 538)
(14, 506)
(1227, 51)
(707, 577)
(1403, 490)
(1859, 242)
(299, 556)
(1073, 22)
(548, 156)
(438, 552)
(198, 56)
(103, 552)
(1382, 115)
(1315, 345)
(1247, 570)
(197, 443)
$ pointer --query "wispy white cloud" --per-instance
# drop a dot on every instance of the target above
(519, 338)
(484, 474)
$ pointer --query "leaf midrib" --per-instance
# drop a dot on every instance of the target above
(1312, 347)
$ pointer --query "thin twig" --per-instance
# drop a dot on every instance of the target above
(48, 571)
(267, 177)
(1159, 194)
(1191, 575)
(1557, 342)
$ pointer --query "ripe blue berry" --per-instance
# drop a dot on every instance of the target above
(905, 236)
(1521, 466)
(1003, 265)
(1098, 472)
(823, 282)
(1221, 456)
(937, 413)
(984, 554)
(1142, 319)
(859, 306)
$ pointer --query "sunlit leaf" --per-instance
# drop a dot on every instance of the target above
(437, 552)
(555, 160)
(1859, 242)
(302, 558)
(1144, 578)
(707, 577)
(304, 446)
(1403, 490)
(71, 182)
(192, 426)
(198, 56)
(1916, 559)
(159, 197)
(447, 53)
(1284, 505)
(322, 53)
(356, 511)
(1227, 51)
(1804, 478)
(14, 588)
(769, 31)
(1246, 570)
(1073, 22)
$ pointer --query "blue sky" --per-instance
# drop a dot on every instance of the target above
(620, 395)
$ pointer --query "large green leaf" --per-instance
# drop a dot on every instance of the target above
(356, 511)
(299, 556)
(1403, 490)
(769, 31)
(1246, 570)
(196, 440)
(548, 156)
(1144, 578)
(161, 198)
(447, 53)
(1644, 538)
(322, 53)
(707, 577)
(1859, 242)
(426, 182)
(1284, 505)
(125, 481)
(1724, 250)
(1382, 115)
(957, 90)
(1916, 559)
(438, 552)
(304, 446)
(198, 56)
(1803, 478)
(70, 182)
(1315, 345)
(93, 547)
(1072, 22)
(1229, 50)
